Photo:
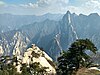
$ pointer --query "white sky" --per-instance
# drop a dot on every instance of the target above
(39, 7)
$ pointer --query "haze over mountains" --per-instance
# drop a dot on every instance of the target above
(11, 22)
(53, 33)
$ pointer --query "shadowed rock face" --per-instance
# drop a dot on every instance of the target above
(67, 30)
(54, 36)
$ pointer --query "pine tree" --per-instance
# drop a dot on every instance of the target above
(76, 57)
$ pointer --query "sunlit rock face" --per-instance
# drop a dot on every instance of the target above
(34, 54)
(1, 51)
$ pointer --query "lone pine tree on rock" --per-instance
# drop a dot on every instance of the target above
(76, 57)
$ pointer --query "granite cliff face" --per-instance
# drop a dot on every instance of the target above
(53, 35)
(12, 41)
(58, 35)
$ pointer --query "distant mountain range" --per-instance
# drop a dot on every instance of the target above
(53, 33)
(11, 22)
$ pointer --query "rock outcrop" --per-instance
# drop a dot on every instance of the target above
(34, 54)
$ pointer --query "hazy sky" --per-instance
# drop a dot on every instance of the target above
(39, 7)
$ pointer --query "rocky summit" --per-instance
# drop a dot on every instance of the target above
(35, 55)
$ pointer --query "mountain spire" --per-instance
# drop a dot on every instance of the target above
(72, 28)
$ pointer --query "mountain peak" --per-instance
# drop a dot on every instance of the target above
(68, 12)
(94, 14)
(67, 15)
